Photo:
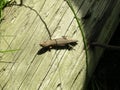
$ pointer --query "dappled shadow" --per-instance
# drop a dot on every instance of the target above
(93, 18)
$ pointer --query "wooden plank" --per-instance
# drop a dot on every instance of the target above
(57, 69)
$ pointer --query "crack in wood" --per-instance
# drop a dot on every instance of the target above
(51, 65)
(21, 4)
(76, 78)
(25, 75)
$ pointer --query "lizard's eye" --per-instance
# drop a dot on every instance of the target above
(42, 44)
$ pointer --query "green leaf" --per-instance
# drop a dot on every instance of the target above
(6, 51)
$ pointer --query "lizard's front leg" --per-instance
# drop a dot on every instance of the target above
(70, 47)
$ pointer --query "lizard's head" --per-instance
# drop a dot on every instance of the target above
(43, 44)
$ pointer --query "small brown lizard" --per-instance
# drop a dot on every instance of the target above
(59, 42)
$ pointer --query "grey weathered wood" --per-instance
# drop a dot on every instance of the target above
(24, 29)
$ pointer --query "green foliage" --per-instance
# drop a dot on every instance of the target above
(3, 3)
(82, 32)
(79, 25)
(5, 51)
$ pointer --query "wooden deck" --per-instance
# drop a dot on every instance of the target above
(24, 28)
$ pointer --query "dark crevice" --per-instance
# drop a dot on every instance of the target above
(107, 73)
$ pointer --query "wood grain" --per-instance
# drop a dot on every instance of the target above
(60, 69)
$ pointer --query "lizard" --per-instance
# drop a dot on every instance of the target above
(59, 42)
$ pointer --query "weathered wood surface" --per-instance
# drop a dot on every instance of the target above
(62, 69)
